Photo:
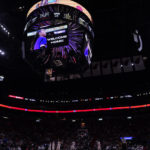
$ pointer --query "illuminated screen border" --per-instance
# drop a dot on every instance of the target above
(62, 2)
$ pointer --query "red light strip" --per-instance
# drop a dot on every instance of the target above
(120, 108)
(102, 109)
(74, 111)
(139, 106)
(17, 108)
(32, 110)
(16, 97)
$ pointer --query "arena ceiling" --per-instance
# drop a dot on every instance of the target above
(113, 23)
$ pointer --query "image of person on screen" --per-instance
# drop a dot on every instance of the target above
(40, 48)
(41, 41)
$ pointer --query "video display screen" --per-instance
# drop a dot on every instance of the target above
(52, 36)
(61, 45)
(58, 40)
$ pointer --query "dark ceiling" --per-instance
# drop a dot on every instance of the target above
(114, 21)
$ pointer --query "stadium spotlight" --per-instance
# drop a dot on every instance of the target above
(38, 120)
(1, 78)
(2, 52)
(129, 117)
(5, 29)
(100, 119)
(5, 117)
(73, 120)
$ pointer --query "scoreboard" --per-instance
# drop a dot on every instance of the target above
(59, 37)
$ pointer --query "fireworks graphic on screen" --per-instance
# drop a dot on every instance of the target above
(75, 43)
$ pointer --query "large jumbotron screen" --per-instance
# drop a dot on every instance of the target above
(58, 37)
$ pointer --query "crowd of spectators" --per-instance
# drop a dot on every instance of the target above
(25, 134)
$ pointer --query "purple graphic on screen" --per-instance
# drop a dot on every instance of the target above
(74, 45)
(41, 41)
(79, 8)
